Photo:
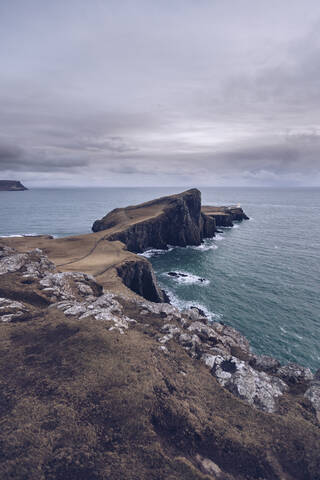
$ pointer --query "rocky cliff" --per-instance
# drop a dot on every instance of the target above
(224, 216)
(96, 385)
(105, 254)
(171, 220)
(11, 185)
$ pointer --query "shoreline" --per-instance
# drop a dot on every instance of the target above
(160, 389)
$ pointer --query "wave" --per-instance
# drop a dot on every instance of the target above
(153, 252)
(204, 247)
(183, 305)
(20, 235)
(219, 237)
(187, 278)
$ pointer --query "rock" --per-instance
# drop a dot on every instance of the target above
(264, 363)
(194, 314)
(293, 373)
(230, 338)
(104, 308)
(32, 264)
(11, 186)
(11, 310)
(257, 388)
(224, 216)
(200, 312)
(172, 220)
(138, 275)
(66, 285)
(313, 394)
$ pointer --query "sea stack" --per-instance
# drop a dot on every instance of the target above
(11, 186)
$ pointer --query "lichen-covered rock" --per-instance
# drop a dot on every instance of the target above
(104, 308)
(33, 264)
(11, 310)
(257, 388)
(66, 285)
(313, 394)
(264, 363)
(293, 373)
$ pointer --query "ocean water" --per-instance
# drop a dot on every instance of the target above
(262, 276)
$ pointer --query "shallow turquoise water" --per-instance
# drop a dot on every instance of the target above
(262, 277)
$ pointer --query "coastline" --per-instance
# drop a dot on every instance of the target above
(38, 295)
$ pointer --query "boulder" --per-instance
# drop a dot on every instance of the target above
(256, 388)
(293, 373)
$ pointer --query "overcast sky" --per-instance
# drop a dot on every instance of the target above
(160, 92)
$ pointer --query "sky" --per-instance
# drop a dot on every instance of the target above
(160, 92)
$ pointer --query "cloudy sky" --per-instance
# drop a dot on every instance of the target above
(160, 92)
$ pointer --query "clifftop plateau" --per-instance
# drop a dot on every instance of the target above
(11, 186)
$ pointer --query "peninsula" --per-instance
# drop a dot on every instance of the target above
(11, 186)
(102, 379)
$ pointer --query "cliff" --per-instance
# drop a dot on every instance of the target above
(108, 253)
(224, 216)
(100, 386)
(11, 186)
(171, 220)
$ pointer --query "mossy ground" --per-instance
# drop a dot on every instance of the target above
(79, 402)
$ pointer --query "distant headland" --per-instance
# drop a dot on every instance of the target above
(11, 186)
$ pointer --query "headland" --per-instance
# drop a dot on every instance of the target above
(102, 379)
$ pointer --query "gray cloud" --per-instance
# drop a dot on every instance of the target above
(144, 92)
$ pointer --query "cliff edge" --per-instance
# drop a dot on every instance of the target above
(171, 220)
(109, 253)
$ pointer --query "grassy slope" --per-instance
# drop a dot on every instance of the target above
(80, 402)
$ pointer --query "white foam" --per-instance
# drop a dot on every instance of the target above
(182, 305)
(154, 252)
(205, 246)
(188, 278)
(219, 237)
(20, 235)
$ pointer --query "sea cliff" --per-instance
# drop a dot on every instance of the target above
(116, 386)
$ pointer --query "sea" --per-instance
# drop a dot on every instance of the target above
(262, 276)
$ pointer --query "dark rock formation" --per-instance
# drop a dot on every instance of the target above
(11, 186)
(225, 216)
(172, 220)
(138, 275)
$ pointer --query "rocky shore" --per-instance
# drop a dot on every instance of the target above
(100, 383)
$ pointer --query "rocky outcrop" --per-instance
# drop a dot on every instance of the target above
(11, 186)
(138, 275)
(225, 216)
(173, 220)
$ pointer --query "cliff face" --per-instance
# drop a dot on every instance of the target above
(105, 254)
(138, 275)
(11, 186)
(224, 216)
(172, 220)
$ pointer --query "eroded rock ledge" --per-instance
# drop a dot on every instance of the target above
(115, 384)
